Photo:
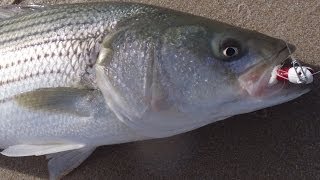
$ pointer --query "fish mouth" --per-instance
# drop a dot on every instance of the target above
(256, 80)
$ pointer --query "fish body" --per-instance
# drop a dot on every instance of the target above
(50, 49)
(62, 41)
(75, 77)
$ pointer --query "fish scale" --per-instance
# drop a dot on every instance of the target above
(52, 48)
(66, 68)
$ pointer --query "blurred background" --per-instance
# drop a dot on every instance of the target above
(282, 142)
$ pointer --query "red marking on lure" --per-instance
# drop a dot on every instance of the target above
(282, 74)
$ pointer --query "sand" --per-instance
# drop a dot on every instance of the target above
(282, 142)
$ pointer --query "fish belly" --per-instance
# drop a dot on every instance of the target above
(20, 125)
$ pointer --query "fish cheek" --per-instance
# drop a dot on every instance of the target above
(194, 80)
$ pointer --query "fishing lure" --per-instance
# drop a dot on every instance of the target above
(296, 74)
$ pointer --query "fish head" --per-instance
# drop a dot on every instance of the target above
(219, 70)
(172, 75)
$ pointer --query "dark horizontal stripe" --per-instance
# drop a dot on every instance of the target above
(52, 54)
(47, 41)
(28, 35)
(2, 101)
(36, 15)
(29, 76)
(46, 13)
(36, 23)
(41, 21)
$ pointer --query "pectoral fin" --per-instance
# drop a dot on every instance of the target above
(38, 149)
(63, 158)
(62, 100)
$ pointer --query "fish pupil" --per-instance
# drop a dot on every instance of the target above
(230, 51)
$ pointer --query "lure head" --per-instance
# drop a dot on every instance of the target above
(300, 75)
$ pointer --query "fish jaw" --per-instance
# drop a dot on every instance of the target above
(256, 80)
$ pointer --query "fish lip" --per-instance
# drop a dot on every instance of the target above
(255, 80)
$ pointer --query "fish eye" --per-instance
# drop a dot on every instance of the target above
(230, 48)
(230, 51)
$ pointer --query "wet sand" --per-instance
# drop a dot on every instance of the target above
(282, 142)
